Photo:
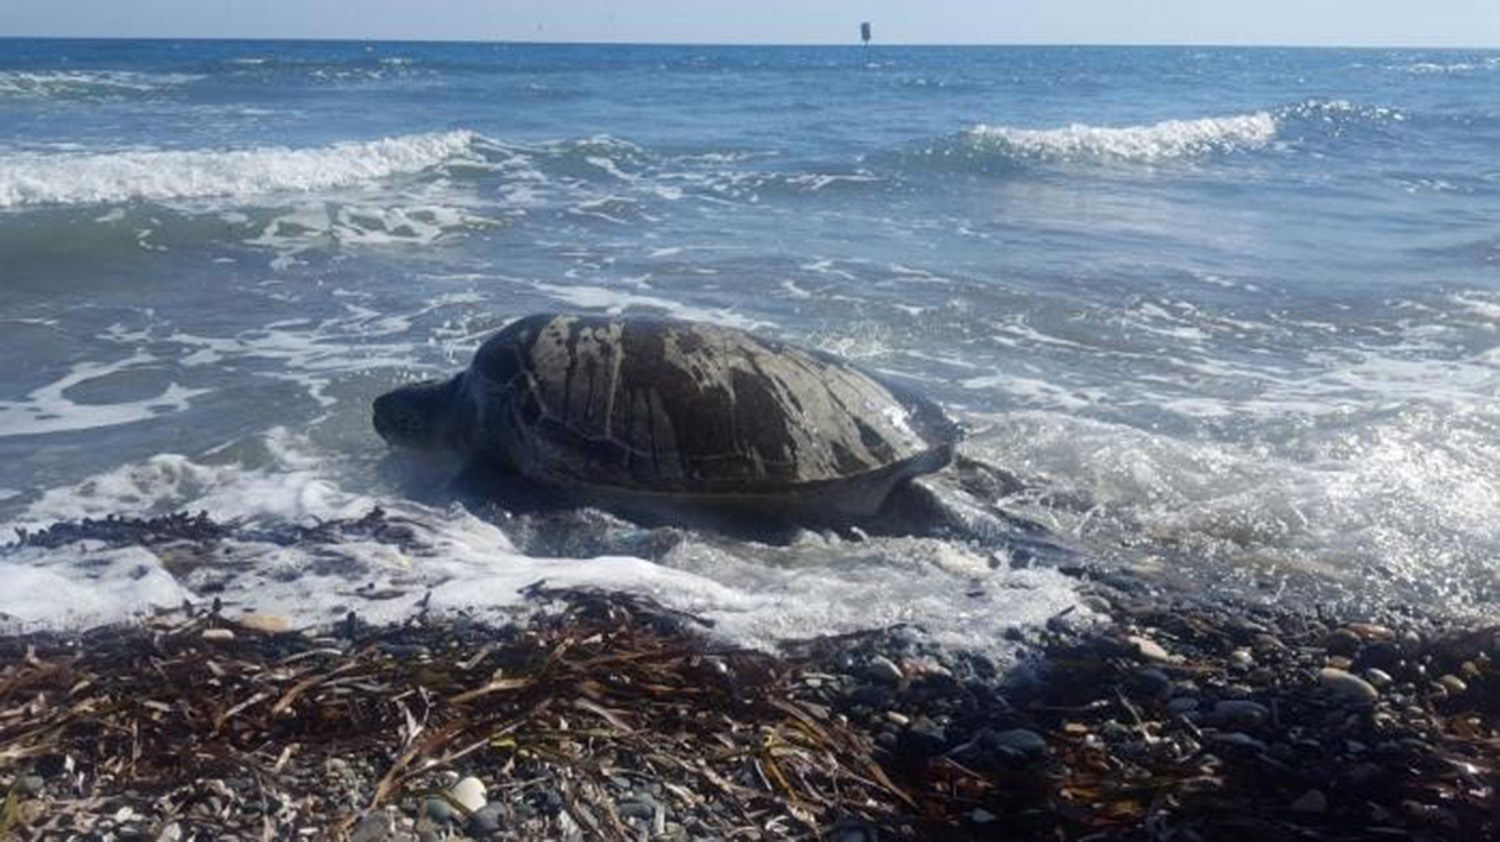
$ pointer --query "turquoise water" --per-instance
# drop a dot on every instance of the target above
(1230, 314)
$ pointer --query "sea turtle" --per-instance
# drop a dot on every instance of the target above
(656, 412)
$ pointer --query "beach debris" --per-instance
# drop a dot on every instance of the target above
(607, 716)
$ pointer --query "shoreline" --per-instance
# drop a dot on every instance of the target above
(607, 716)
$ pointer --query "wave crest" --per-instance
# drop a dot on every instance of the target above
(79, 178)
(85, 84)
(1167, 140)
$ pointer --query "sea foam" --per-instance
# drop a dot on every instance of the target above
(755, 594)
(77, 178)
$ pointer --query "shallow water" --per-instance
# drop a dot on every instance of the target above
(1231, 315)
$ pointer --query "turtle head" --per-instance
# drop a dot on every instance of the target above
(422, 416)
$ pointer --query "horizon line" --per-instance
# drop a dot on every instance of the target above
(738, 44)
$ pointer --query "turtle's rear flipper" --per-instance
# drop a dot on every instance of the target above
(936, 506)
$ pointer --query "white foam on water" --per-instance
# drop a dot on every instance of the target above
(1167, 140)
(1036, 392)
(755, 594)
(614, 302)
(1387, 504)
(1483, 305)
(48, 409)
(415, 220)
(77, 178)
(85, 83)
(38, 588)
(1429, 68)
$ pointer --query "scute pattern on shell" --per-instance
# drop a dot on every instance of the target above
(659, 404)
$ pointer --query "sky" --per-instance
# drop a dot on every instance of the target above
(1424, 23)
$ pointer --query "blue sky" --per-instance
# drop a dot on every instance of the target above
(1299, 22)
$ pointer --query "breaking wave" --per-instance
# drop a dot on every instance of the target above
(1166, 140)
(997, 148)
(91, 178)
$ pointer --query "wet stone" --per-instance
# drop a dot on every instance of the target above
(1382, 654)
(884, 670)
(642, 807)
(1312, 801)
(1454, 685)
(1342, 642)
(1345, 687)
(1149, 682)
(486, 821)
(1241, 713)
(872, 696)
(1182, 704)
(1019, 741)
(376, 827)
(468, 793)
(1148, 649)
(1240, 740)
(1268, 643)
(440, 811)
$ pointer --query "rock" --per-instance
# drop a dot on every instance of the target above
(884, 670)
(1019, 741)
(1239, 739)
(1241, 713)
(1454, 685)
(1261, 677)
(1183, 704)
(30, 784)
(1383, 654)
(171, 833)
(1148, 683)
(1378, 678)
(1347, 688)
(218, 635)
(921, 741)
(639, 806)
(872, 696)
(468, 793)
(486, 821)
(1268, 643)
(376, 827)
(1149, 649)
(1371, 631)
(440, 811)
(1097, 603)
(1312, 801)
(265, 622)
(1342, 642)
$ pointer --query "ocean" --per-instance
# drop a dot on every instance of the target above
(1230, 318)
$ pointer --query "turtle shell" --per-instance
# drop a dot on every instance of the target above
(661, 405)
